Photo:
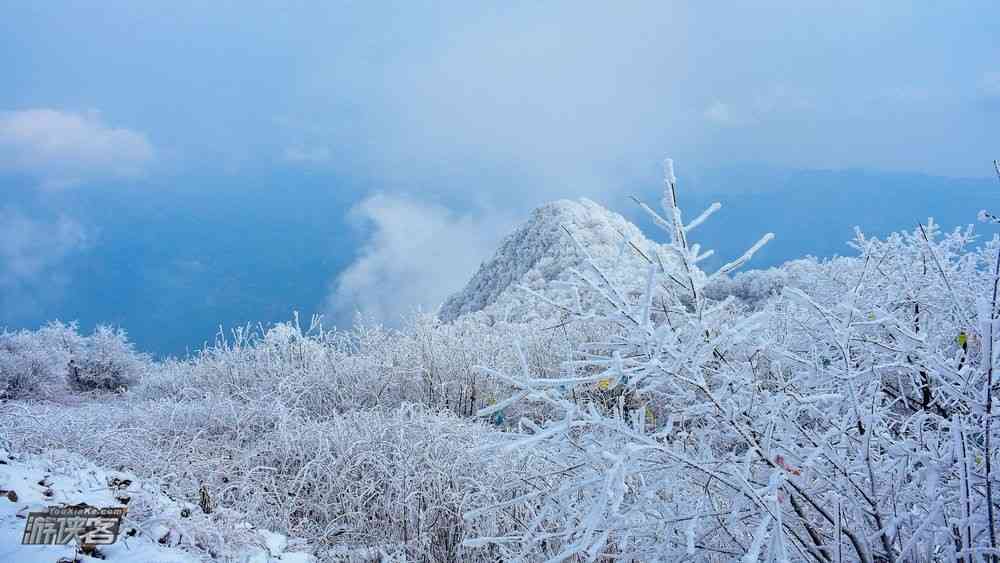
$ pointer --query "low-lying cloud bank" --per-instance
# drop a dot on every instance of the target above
(418, 253)
(67, 148)
(32, 249)
(57, 150)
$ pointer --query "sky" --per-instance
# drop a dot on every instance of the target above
(237, 160)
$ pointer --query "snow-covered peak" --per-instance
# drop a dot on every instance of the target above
(540, 253)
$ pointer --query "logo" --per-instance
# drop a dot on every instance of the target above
(85, 525)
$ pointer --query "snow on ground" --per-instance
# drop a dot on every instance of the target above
(150, 533)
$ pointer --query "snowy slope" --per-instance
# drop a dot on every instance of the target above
(541, 256)
(160, 531)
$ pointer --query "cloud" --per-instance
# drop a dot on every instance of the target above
(59, 149)
(66, 148)
(418, 254)
(31, 252)
(29, 247)
(528, 92)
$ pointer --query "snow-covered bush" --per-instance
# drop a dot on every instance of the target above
(360, 486)
(105, 361)
(319, 373)
(848, 418)
(42, 363)
(320, 434)
(366, 481)
(24, 368)
(33, 363)
(753, 288)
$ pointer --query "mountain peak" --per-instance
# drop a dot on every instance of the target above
(540, 254)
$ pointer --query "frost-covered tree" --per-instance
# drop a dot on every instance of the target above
(105, 361)
(33, 363)
(626, 484)
(847, 417)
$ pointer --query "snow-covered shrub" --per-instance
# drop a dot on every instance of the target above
(309, 371)
(319, 373)
(848, 418)
(105, 361)
(24, 368)
(397, 481)
(391, 482)
(33, 363)
(753, 287)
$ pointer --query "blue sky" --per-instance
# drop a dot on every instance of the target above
(401, 140)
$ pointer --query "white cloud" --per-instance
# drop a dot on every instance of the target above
(65, 148)
(29, 247)
(418, 254)
(31, 253)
